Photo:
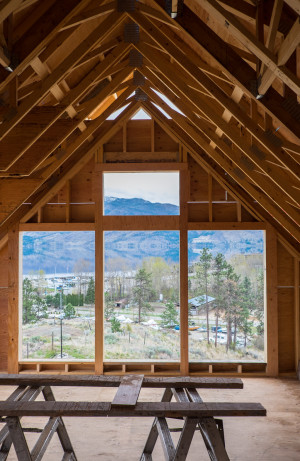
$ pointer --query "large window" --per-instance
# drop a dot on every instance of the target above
(142, 296)
(58, 295)
(226, 296)
(148, 309)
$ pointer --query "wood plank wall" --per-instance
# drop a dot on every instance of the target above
(207, 204)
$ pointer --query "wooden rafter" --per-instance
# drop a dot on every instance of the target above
(235, 67)
(99, 34)
(234, 156)
(200, 78)
(27, 166)
(90, 14)
(251, 43)
(285, 51)
(73, 96)
(279, 176)
(273, 28)
(7, 7)
(32, 45)
(85, 151)
(294, 4)
(192, 145)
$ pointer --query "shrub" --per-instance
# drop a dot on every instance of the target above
(110, 339)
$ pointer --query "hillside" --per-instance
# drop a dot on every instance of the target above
(59, 251)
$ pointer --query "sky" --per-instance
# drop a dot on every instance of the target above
(160, 187)
(142, 114)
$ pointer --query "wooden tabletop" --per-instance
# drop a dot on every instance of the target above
(114, 381)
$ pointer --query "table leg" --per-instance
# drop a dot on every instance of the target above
(153, 434)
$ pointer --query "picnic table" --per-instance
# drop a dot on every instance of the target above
(188, 407)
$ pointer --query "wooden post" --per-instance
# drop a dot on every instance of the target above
(124, 136)
(210, 206)
(99, 269)
(297, 313)
(68, 200)
(152, 135)
(271, 322)
(184, 345)
(13, 300)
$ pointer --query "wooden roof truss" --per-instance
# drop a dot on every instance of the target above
(231, 67)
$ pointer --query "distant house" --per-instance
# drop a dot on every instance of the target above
(122, 303)
(199, 302)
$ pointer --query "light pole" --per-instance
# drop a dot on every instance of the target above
(61, 319)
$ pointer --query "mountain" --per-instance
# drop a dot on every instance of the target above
(60, 251)
(114, 206)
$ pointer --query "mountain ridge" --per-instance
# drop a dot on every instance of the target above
(59, 251)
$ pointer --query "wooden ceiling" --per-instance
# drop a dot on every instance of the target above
(232, 67)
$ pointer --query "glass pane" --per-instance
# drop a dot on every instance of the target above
(226, 295)
(141, 318)
(58, 296)
(133, 194)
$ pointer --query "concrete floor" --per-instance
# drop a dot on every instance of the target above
(272, 438)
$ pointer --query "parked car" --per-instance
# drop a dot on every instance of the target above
(214, 329)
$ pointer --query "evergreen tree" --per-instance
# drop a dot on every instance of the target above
(231, 302)
(142, 292)
(169, 317)
(90, 294)
(69, 311)
(247, 305)
(219, 266)
(109, 306)
(40, 307)
(259, 303)
(203, 280)
(115, 325)
(28, 301)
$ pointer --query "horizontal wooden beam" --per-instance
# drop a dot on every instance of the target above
(140, 223)
(226, 226)
(152, 409)
(174, 166)
(114, 381)
(56, 227)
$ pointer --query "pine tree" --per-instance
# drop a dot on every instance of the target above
(90, 294)
(203, 280)
(28, 301)
(142, 292)
(169, 317)
(69, 311)
(219, 266)
(247, 305)
(115, 325)
(231, 302)
(109, 306)
(259, 303)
